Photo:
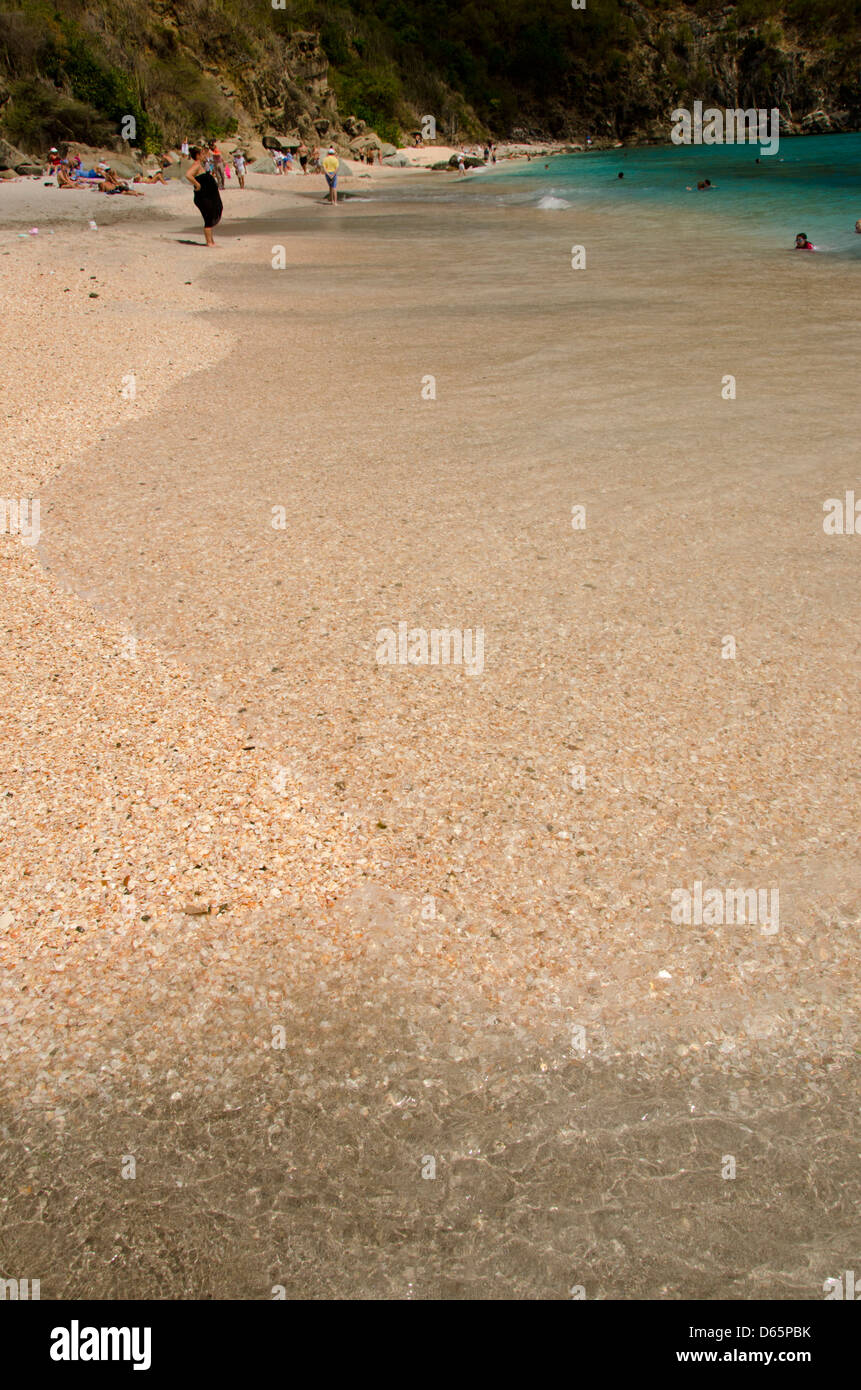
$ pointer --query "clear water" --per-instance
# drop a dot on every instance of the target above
(812, 184)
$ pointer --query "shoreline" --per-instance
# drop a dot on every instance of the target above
(26, 202)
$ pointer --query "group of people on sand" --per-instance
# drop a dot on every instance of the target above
(285, 163)
(214, 162)
(102, 179)
(202, 176)
(309, 161)
(206, 175)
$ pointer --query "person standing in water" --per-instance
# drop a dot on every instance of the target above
(331, 164)
(207, 198)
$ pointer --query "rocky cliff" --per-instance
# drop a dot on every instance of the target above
(73, 69)
(726, 56)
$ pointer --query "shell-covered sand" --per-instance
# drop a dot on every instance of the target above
(219, 809)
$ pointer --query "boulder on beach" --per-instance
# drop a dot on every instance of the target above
(252, 149)
(29, 171)
(266, 165)
(283, 143)
(366, 142)
(125, 165)
(469, 160)
(397, 161)
(10, 156)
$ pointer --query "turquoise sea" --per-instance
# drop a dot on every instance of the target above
(812, 184)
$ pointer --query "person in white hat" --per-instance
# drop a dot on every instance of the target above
(331, 165)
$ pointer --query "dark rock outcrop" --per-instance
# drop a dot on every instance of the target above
(10, 157)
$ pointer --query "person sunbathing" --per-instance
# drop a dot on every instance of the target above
(119, 188)
(68, 176)
(111, 184)
(157, 177)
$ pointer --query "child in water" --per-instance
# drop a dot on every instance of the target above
(802, 244)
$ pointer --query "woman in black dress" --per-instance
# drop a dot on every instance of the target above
(206, 195)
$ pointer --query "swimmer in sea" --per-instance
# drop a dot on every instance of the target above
(802, 244)
(858, 225)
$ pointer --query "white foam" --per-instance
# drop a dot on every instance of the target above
(549, 202)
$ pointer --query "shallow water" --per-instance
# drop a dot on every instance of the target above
(553, 386)
(812, 184)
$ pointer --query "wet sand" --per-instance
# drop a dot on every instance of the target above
(473, 958)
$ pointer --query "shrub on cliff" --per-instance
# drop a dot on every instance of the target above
(38, 116)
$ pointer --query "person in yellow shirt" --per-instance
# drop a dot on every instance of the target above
(331, 164)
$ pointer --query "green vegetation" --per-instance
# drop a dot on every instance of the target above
(75, 68)
(39, 116)
(78, 75)
(62, 87)
(373, 96)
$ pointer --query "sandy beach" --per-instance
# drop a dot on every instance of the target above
(450, 889)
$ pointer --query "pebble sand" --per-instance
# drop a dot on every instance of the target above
(378, 913)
